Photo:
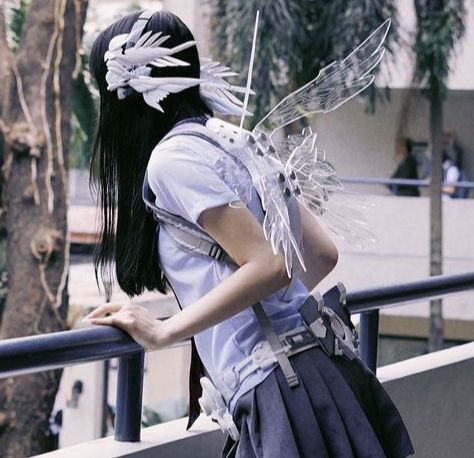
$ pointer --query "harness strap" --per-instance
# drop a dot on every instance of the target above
(196, 244)
(276, 345)
(186, 234)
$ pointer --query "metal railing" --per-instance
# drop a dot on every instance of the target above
(50, 351)
(425, 183)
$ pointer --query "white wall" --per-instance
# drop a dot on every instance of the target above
(362, 144)
(402, 254)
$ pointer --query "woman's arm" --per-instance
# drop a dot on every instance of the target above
(261, 273)
(319, 252)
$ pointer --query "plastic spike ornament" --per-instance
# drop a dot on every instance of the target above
(217, 92)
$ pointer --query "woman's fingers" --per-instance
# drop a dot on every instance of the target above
(138, 323)
(103, 309)
(108, 320)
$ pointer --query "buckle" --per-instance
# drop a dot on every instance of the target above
(216, 252)
(262, 355)
(298, 338)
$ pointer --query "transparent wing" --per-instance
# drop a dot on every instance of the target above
(343, 215)
(319, 189)
(335, 84)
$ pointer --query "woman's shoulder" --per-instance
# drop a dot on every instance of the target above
(189, 145)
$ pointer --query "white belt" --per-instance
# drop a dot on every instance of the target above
(261, 357)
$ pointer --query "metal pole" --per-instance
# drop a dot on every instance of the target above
(369, 338)
(129, 398)
(105, 396)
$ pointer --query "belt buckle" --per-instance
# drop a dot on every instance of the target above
(296, 338)
(230, 378)
(262, 355)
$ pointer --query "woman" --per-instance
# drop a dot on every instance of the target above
(337, 408)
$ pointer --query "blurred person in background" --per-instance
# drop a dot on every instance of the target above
(406, 169)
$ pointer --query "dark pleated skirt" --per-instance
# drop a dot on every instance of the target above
(339, 410)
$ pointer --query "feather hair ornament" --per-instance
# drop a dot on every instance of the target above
(130, 58)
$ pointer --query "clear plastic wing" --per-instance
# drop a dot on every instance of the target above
(323, 193)
(335, 84)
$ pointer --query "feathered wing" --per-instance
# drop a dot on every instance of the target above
(156, 89)
(335, 84)
(130, 58)
(148, 50)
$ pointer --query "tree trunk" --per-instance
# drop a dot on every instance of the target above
(435, 340)
(36, 130)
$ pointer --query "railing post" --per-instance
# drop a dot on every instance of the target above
(129, 397)
(369, 338)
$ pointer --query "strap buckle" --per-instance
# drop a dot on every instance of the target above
(216, 252)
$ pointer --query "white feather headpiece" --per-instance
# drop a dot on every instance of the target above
(130, 58)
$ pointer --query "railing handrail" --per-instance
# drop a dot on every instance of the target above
(22, 355)
(403, 293)
(402, 181)
(49, 351)
(60, 349)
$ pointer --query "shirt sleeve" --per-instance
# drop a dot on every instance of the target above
(184, 179)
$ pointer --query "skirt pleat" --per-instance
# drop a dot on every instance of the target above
(339, 410)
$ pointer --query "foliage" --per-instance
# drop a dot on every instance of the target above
(150, 417)
(295, 39)
(440, 27)
(17, 21)
(84, 114)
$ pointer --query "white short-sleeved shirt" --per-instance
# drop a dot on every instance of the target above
(183, 175)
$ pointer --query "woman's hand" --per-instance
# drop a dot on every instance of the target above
(137, 321)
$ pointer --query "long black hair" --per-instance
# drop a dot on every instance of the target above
(127, 132)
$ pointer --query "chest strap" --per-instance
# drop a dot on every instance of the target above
(184, 233)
